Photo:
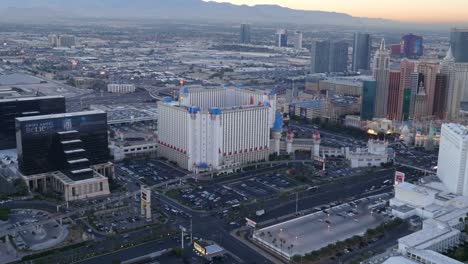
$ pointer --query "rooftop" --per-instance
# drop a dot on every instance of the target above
(41, 117)
(18, 78)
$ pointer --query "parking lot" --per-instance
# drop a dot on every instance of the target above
(149, 172)
(209, 197)
(325, 226)
(263, 186)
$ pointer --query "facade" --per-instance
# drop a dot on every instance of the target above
(122, 151)
(329, 56)
(453, 158)
(420, 103)
(429, 71)
(368, 100)
(461, 82)
(381, 73)
(298, 40)
(411, 46)
(440, 96)
(458, 43)
(53, 40)
(338, 56)
(23, 107)
(362, 46)
(375, 154)
(347, 86)
(393, 111)
(67, 41)
(69, 189)
(453, 97)
(213, 128)
(320, 57)
(281, 38)
(415, 81)
(406, 104)
(406, 68)
(245, 34)
(62, 142)
(120, 88)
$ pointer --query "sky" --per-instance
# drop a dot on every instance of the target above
(426, 11)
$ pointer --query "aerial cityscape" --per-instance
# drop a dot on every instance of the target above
(190, 131)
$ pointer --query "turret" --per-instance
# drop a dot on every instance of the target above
(289, 141)
(316, 145)
(276, 132)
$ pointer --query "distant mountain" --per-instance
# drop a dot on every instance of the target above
(176, 9)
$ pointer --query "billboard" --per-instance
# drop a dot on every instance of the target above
(250, 222)
(399, 177)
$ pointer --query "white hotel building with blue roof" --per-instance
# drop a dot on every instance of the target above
(217, 128)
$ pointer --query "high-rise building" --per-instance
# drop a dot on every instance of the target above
(320, 56)
(411, 46)
(329, 56)
(66, 41)
(459, 44)
(381, 71)
(420, 104)
(395, 50)
(281, 38)
(53, 40)
(429, 71)
(440, 96)
(216, 128)
(415, 79)
(453, 96)
(394, 92)
(368, 100)
(23, 107)
(406, 104)
(461, 81)
(362, 46)
(245, 34)
(406, 68)
(62, 142)
(338, 56)
(452, 166)
(298, 40)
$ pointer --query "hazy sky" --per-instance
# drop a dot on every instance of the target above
(405, 10)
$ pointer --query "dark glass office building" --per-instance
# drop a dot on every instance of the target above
(320, 57)
(362, 46)
(23, 107)
(368, 100)
(62, 142)
(339, 56)
(459, 44)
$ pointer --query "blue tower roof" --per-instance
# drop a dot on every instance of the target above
(193, 109)
(278, 125)
(214, 110)
(167, 99)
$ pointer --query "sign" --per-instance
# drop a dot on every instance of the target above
(39, 127)
(199, 248)
(250, 222)
(399, 177)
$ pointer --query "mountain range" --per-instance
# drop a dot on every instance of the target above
(176, 9)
